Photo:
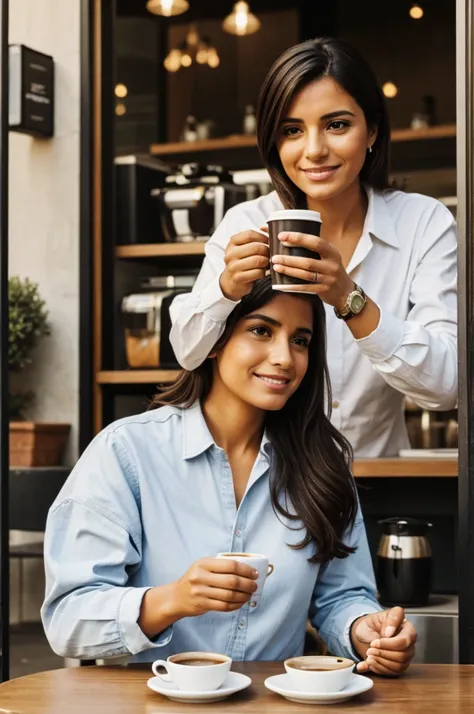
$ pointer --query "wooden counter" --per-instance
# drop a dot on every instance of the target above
(424, 689)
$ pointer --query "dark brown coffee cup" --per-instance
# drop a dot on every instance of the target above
(294, 220)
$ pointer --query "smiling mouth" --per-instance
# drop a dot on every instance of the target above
(274, 381)
(320, 173)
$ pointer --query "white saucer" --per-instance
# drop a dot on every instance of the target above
(234, 683)
(280, 684)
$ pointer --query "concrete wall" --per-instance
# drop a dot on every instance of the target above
(44, 235)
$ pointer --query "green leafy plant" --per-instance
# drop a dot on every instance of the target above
(28, 323)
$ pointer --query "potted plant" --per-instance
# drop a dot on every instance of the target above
(31, 443)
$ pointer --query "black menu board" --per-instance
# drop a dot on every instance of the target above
(31, 94)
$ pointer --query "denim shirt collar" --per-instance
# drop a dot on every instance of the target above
(197, 438)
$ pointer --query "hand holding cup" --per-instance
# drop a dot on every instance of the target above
(246, 260)
(222, 585)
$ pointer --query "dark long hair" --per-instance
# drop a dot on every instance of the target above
(310, 463)
(293, 70)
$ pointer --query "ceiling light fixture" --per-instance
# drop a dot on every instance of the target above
(168, 8)
(194, 49)
(416, 12)
(241, 21)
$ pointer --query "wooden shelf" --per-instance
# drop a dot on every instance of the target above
(406, 468)
(161, 250)
(441, 131)
(225, 142)
(139, 376)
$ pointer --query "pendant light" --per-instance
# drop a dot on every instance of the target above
(416, 12)
(167, 7)
(241, 21)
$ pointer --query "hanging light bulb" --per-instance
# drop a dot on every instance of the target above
(173, 60)
(241, 21)
(167, 7)
(202, 51)
(390, 90)
(213, 59)
(416, 12)
(192, 38)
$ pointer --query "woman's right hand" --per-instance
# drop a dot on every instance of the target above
(220, 584)
(246, 260)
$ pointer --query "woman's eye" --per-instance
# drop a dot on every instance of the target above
(260, 331)
(301, 342)
(338, 125)
(291, 130)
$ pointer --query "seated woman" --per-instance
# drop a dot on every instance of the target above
(238, 455)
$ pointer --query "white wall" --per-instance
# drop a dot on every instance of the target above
(44, 232)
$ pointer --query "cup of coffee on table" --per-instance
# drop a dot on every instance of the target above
(194, 671)
(319, 674)
(259, 563)
(294, 220)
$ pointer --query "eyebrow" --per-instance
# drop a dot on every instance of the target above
(324, 117)
(274, 323)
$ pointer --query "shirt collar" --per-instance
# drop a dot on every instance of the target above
(196, 435)
(378, 221)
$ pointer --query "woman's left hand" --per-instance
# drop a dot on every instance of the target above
(332, 283)
(386, 641)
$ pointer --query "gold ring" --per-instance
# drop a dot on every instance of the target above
(315, 277)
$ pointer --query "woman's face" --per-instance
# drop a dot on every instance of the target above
(266, 357)
(323, 140)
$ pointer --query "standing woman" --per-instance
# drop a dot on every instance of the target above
(387, 272)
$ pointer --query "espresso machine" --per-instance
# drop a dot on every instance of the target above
(193, 201)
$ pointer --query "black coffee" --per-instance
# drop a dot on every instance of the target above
(311, 667)
(199, 662)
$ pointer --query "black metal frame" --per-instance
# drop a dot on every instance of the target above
(86, 292)
(4, 463)
(465, 217)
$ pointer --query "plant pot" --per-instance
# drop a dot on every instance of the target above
(36, 443)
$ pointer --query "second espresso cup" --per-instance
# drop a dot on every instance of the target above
(194, 671)
(294, 220)
(319, 674)
(259, 563)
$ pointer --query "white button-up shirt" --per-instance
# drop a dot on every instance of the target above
(406, 261)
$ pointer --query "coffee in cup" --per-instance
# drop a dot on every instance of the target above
(194, 671)
(294, 220)
(319, 674)
(260, 564)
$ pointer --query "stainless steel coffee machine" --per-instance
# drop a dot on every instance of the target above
(404, 564)
(193, 201)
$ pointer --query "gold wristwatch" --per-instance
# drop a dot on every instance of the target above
(354, 304)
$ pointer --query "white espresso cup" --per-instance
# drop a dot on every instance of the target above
(319, 674)
(260, 564)
(194, 671)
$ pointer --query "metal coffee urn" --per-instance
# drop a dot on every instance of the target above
(404, 564)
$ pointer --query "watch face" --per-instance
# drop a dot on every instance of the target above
(357, 303)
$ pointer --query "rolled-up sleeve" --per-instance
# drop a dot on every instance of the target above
(92, 545)
(418, 356)
(345, 590)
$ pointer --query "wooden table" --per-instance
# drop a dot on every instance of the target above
(424, 689)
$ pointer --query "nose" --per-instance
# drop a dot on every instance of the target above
(316, 147)
(280, 354)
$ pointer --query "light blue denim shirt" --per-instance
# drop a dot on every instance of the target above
(152, 494)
